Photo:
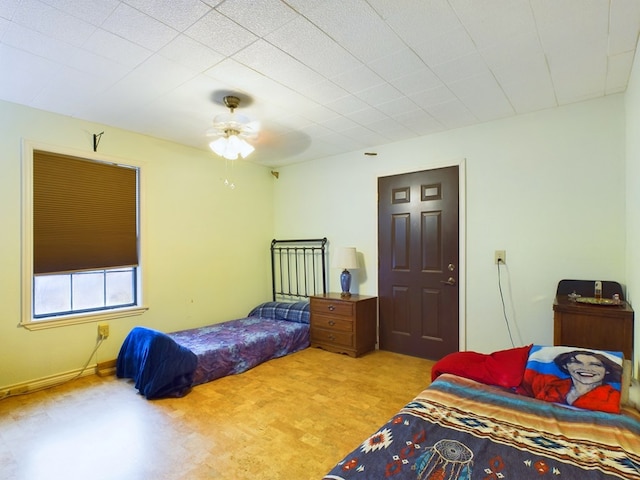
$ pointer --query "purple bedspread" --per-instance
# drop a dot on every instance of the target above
(236, 346)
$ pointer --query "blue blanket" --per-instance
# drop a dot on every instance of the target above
(156, 363)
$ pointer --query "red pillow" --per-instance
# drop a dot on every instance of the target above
(504, 368)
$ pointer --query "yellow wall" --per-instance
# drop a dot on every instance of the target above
(205, 247)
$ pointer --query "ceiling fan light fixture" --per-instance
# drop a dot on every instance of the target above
(234, 129)
(231, 146)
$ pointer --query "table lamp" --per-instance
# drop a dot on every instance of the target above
(346, 259)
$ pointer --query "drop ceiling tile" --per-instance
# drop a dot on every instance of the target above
(186, 51)
(309, 45)
(623, 30)
(494, 21)
(61, 53)
(519, 47)
(111, 46)
(418, 81)
(579, 80)
(418, 21)
(68, 87)
(483, 97)
(8, 8)
(92, 11)
(260, 17)
(338, 141)
(367, 39)
(348, 105)
(419, 122)
(273, 62)
(618, 71)
(246, 79)
(359, 77)
(52, 22)
(139, 28)
(452, 114)
(382, 94)
(395, 106)
(366, 116)
(390, 128)
(455, 43)
(389, 8)
(523, 69)
(4, 26)
(320, 113)
(433, 96)
(28, 74)
(178, 14)
(316, 129)
(461, 67)
(531, 94)
(340, 124)
(362, 134)
(399, 64)
(489, 105)
(220, 33)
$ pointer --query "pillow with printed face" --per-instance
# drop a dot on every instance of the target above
(578, 377)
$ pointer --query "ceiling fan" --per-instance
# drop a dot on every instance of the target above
(233, 130)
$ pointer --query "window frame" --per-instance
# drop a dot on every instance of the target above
(28, 319)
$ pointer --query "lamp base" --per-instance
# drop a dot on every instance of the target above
(345, 283)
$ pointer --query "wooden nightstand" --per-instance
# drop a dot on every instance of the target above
(593, 326)
(344, 324)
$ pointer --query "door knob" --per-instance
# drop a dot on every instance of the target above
(449, 281)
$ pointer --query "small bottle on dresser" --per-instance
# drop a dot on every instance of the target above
(598, 290)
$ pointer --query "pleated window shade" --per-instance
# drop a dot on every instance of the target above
(84, 214)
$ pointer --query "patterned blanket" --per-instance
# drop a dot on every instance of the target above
(460, 429)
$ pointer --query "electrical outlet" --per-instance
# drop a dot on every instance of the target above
(103, 330)
(501, 257)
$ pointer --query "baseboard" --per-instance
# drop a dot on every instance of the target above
(102, 369)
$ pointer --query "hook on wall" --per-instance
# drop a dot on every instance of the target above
(275, 174)
(96, 140)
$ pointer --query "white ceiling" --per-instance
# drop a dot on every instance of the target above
(322, 76)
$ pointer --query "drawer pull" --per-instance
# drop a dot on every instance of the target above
(332, 323)
(332, 337)
(331, 308)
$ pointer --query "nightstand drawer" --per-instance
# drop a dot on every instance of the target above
(333, 323)
(320, 306)
(332, 337)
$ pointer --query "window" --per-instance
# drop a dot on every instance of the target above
(81, 239)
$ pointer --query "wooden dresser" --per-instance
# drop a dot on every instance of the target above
(593, 326)
(344, 324)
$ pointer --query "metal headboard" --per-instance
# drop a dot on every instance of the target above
(298, 268)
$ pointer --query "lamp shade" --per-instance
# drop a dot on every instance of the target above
(345, 257)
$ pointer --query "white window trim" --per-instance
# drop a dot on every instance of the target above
(27, 321)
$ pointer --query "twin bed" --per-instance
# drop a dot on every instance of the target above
(170, 364)
(478, 420)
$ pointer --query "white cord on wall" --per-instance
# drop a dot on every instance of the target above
(504, 309)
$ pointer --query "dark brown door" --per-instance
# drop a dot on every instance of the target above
(418, 262)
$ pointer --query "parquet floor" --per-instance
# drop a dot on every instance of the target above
(291, 418)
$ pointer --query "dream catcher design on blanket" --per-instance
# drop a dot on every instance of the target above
(446, 460)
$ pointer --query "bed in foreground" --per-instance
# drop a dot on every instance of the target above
(460, 428)
(170, 364)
